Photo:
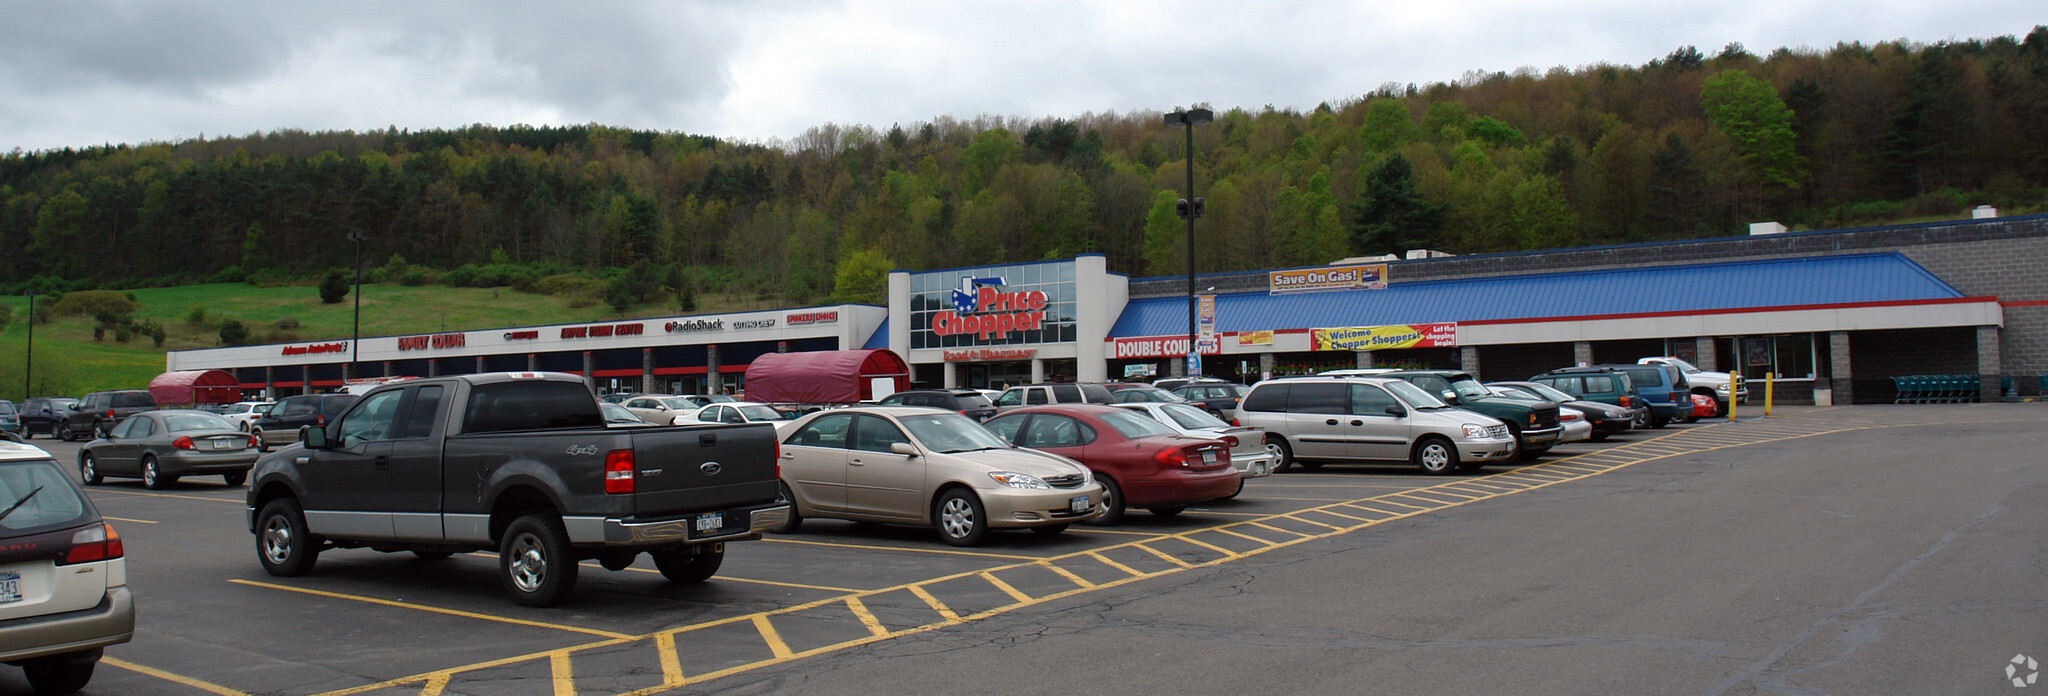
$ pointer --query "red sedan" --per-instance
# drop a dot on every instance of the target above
(1139, 462)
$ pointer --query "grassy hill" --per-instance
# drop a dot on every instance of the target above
(68, 362)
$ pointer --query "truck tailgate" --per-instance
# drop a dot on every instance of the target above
(711, 467)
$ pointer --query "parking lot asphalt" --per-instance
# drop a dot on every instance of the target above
(1843, 550)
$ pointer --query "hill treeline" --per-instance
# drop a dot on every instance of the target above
(1687, 145)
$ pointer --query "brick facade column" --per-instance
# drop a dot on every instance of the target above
(433, 367)
(270, 384)
(1989, 368)
(1265, 366)
(714, 383)
(479, 365)
(1468, 360)
(647, 370)
(949, 375)
(1703, 352)
(1838, 367)
(532, 362)
(1582, 352)
(1364, 359)
(589, 371)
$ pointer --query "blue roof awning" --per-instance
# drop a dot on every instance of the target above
(880, 338)
(1822, 280)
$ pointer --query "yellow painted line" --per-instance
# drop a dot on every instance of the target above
(488, 664)
(870, 547)
(1263, 525)
(1113, 564)
(435, 610)
(1389, 500)
(773, 637)
(436, 684)
(777, 583)
(1069, 575)
(1361, 485)
(1206, 545)
(1006, 588)
(671, 665)
(1164, 556)
(125, 519)
(1371, 509)
(1440, 491)
(867, 618)
(562, 674)
(1339, 514)
(1226, 530)
(1217, 512)
(139, 494)
(1312, 500)
(937, 605)
(205, 686)
(1093, 530)
(1291, 516)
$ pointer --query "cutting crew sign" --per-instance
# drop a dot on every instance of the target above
(982, 309)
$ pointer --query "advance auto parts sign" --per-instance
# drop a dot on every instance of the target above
(1385, 337)
(980, 309)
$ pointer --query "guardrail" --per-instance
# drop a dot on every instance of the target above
(1937, 389)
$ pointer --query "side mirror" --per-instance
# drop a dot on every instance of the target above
(1396, 410)
(903, 448)
(1450, 397)
(74, 407)
(313, 438)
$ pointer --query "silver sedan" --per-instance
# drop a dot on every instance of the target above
(159, 447)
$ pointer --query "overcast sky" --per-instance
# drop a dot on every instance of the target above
(84, 73)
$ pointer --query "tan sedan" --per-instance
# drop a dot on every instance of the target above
(924, 466)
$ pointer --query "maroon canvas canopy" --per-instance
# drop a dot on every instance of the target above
(195, 387)
(823, 377)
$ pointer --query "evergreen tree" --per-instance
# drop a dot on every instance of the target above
(1391, 216)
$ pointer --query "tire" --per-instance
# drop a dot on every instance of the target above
(1598, 436)
(795, 520)
(282, 542)
(1112, 502)
(534, 561)
(1435, 456)
(101, 429)
(88, 470)
(433, 555)
(1657, 423)
(153, 477)
(681, 565)
(61, 674)
(1167, 510)
(1049, 530)
(1535, 453)
(61, 431)
(1233, 494)
(1283, 455)
(960, 518)
(262, 445)
(235, 479)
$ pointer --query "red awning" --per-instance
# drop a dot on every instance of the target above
(824, 377)
(196, 387)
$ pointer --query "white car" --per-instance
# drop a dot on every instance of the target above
(1250, 452)
(738, 412)
(242, 413)
(1576, 427)
(63, 575)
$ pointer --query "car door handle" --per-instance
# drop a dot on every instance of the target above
(856, 462)
(382, 462)
(1331, 421)
(1357, 423)
(789, 455)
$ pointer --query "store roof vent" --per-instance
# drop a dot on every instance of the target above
(1772, 227)
(1983, 212)
(1427, 254)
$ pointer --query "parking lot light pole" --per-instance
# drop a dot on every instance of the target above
(28, 368)
(1190, 208)
(355, 336)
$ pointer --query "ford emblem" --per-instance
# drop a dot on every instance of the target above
(710, 468)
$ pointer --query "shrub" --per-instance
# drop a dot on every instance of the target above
(95, 303)
(333, 288)
(123, 334)
(156, 336)
(233, 333)
(231, 274)
(196, 316)
(416, 276)
(566, 284)
(287, 323)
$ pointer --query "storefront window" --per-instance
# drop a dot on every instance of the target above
(1788, 356)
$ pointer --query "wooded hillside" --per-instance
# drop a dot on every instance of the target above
(1687, 145)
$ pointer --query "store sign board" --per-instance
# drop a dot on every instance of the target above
(1255, 338)
(802, 318)
(336, 347)
(603, 330)
(1361, 277)
(981, 309)
(1159, 347)
(436, 341)
(1393, 337)
(990, 354)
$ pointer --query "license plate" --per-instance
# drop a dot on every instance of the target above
(1077, 504)
(710, 522)
(10, 587)
(1209, 457)
(222, 444)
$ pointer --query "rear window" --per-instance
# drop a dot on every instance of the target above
(6, 407)
(1326, 397)
(1065, 393)
(1599, 384)
(1269, 397)
(531, 405)
(41, 497)
(196, 421)
(1096, 394)
(1132, 425)
(1647, 376)
(135, 399)
(970, 402)
(334, 405)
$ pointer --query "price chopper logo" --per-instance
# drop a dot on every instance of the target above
(2012, 671)
(964, 296)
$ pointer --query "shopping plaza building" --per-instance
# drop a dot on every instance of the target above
(1828, 316)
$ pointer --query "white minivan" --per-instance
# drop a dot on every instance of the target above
(1312, 420)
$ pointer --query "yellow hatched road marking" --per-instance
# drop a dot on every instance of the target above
(936, 605)
(872, 547)
(1212, 547)
(1226, 530)
(429, 677)
(436, 684)
(671, 665)
(1339, 514)
(125, 519)
(563, 675)
(1078, 580)
(436, 610)
(206, 686)
(1113, 564)
(1005, 587)
(1165, 556)
(773, 637)
(1263, 525)
(1371, 509)
(867, 618)
(1303, 520)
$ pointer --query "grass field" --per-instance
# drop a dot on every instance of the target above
(68, 362)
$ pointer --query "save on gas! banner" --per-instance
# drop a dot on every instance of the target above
(1393, 337)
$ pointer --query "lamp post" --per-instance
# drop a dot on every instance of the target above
(28, 368)
(1190, 208)
(355, 339)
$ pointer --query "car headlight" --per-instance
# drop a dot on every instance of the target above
(1721, 387)
(1017, 480)
(1475, 431)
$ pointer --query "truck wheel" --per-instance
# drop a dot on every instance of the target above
(282, 542)
(960, 518)
(1435, 456)
(534, 561)
(795, 520)
(61, 674)
(685, 564)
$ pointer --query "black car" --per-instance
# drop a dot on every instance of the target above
(1219, 398)
(282, 424)
(42, 414)
(1607, 419)
(97, 413)
(968, 402)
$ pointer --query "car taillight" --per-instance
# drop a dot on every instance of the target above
(1171, 456)
(778, 460)
(253, 442)
(183, 442)
(110, 413)
(96, 543)
(1624, 402)
(1234, 423)
(618, 471)
(1230, 441)
(320, 420)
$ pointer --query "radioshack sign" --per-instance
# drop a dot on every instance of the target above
(981, 309)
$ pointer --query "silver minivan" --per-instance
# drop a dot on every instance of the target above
(1311, 420)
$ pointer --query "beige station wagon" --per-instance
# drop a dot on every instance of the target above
(924, 466)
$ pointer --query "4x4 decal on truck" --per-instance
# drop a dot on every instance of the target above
(581, 450)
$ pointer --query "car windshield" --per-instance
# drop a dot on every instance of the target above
(1134, 426)
(1548, 392)
(1469, 388)
(6, 407)
(678, 403)
(757, 412)
(1191, 417)
(1414, 395)
(182, 422)
(614, 413)
(720, 399)
(44, 498)
(949, 433)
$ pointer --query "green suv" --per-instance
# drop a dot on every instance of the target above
(1534, 425)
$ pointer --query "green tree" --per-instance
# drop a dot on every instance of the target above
(1166, 251)
(1391, 215)
(333, 287)
(1310, 230)
(255, 248)
(1541, 217)
(1387, 125)
(862, 278)
(1749, 111)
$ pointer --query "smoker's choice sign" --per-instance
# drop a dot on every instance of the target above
(981, 309)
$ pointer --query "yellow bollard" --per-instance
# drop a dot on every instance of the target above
(1769, 381)
(1734, 387)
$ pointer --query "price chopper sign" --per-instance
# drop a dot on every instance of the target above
(981, 309)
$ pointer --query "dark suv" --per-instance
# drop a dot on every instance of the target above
(97, 413)
(967, 402)
(1663, 387)
(282, 424)
(1534, 424)
(42, 414)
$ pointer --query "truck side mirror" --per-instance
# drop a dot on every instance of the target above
(1450, 397)
(1396, 411)
(313, 438)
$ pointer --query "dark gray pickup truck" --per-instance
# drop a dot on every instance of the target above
(520, 463)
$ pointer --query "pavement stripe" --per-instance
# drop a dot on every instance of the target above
(205, 686)
(436, 610)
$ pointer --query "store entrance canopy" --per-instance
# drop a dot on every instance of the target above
(195, 387)
(826, 377)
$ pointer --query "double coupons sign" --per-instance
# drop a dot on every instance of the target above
(983, 310)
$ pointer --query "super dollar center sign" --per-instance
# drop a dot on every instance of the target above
(982, 310)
